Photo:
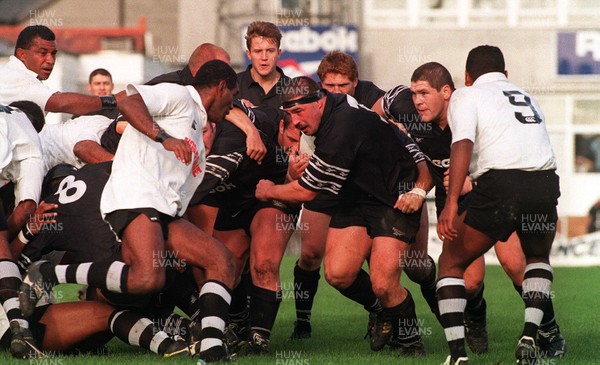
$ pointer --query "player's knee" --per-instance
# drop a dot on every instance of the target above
(310, 260)
(339, 280)
(472, 286)
(417, 273)
(265, 270)
(149, 282)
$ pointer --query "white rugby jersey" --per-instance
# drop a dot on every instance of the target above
(505, 124)
(144, 174)
(25, 166)
(58, 140)
(17, 83)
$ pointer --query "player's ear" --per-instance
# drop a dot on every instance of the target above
(446, 91)
(468, 79)
(20, 54)
(248, 53)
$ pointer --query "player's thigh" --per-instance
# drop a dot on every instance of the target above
(387, 254)
(4, 247)
(195, 246)
(314, 236)
(460, 252)
(67, 324)
(142, 241)
(474, 275)
(511, 257)
(268, 239)
(345, 251)
(203, 216)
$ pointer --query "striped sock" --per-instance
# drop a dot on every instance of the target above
(536, 294)
(139, 331)
(214, 302)
(452, 303)
(108, 275)
(10, 281)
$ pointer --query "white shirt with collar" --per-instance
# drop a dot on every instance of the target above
(17, 83)
(25, 166)
(144, 174)
(505, 124)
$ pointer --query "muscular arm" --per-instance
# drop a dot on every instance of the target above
(460, 156)
(19, 216)
(135, 112)
(291, 192)
(73, 103)
(91, 152)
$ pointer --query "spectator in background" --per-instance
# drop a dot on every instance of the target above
(100, 83)
(594, 218)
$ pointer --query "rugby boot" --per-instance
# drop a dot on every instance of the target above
(551, 343)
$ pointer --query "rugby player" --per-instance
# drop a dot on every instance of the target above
(497, 114)
(376, 217)
(338, 74)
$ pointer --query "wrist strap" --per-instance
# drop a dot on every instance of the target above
(161, 136)
(420, 192)
(108, 102)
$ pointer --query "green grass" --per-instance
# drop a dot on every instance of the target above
(339, 326)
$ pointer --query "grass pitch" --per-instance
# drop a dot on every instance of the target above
(339, 326)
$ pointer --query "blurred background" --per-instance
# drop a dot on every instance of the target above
(551, 47)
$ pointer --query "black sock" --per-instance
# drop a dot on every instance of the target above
(427, 286)
(476, 306)
(406, 319)
(107, 275)
(238, 310)
(306, 284)
(264, 305)
(361, 292)
(137, 330)
(452, 302)
(10, 281)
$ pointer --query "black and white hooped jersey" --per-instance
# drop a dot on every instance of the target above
(79, 227)
(359, 155)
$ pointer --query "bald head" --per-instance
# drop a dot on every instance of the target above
(204, 53)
